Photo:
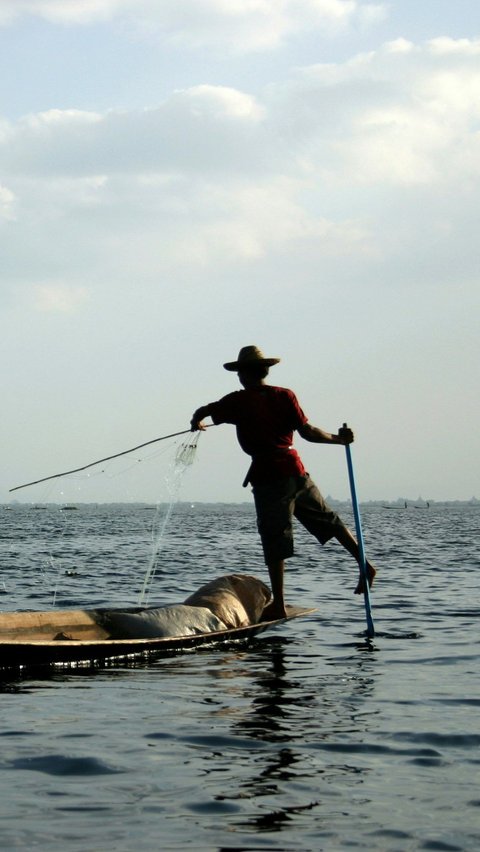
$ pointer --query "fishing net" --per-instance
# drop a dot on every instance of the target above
(61, 551)
(185, 455)
(184, 458)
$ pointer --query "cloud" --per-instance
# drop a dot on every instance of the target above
(222, 101)
(58, 298)
(403, 114)
(7, 201)
(444, 46)
(331, 164)
(197, 128)
(61, 12)
(239, 25)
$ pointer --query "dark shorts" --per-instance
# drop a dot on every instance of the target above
(276, 505)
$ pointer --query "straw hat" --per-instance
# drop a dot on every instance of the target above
(248, 357)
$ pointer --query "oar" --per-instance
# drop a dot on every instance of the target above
(361, 546)
(99, 461)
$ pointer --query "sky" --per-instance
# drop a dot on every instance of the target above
(181, 178)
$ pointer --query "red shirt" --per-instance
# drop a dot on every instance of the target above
(266, 418)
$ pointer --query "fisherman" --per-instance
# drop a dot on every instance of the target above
(266, 417)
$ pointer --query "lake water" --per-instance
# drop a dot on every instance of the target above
(309, 738)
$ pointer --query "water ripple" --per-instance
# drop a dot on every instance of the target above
(59, 764)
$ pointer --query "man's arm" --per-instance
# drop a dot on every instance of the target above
(318, 436)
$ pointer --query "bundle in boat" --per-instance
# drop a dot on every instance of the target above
(236, 600)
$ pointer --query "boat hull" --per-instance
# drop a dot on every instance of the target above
(23, 652)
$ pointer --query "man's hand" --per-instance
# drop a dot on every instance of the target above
(196, 423)
(345, 435)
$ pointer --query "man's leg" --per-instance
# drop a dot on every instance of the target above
(276, 608)
(274, 505)
(346, 539)
(323, 522)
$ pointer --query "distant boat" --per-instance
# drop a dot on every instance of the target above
(69, 508)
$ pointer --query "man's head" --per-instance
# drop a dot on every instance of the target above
(252, 375)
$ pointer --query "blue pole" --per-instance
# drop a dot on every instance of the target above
(361, 546)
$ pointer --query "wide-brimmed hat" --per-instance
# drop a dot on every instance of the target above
(250, 356)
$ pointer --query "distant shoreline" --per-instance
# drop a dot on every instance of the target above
(401, 503)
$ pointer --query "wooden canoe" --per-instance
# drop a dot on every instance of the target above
(76, 637)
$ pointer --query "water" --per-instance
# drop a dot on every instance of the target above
(310, 738)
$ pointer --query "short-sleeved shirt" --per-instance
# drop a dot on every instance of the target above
(266, 418)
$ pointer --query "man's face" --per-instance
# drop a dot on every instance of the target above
(248, 378)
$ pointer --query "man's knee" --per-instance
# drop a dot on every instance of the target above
(277, 548)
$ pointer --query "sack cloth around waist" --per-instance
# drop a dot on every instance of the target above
(273, 464)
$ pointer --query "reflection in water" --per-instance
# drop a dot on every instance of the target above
(282, 708)
(275, 697)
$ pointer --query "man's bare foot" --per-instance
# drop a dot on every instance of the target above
(371, 571)
(273, 611)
